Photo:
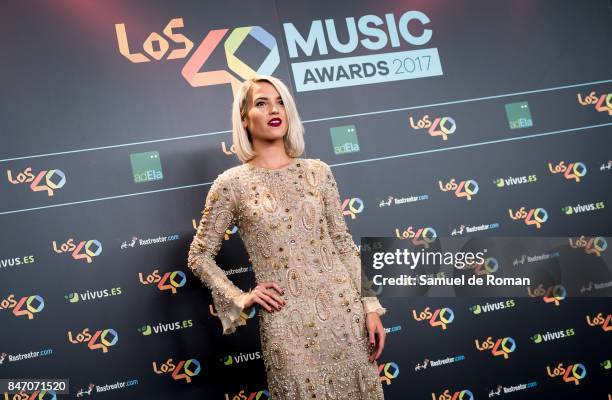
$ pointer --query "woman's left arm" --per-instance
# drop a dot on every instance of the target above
(343, 240)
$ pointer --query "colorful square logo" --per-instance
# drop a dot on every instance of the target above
(344, 139)
(146, 167)
(519, 115)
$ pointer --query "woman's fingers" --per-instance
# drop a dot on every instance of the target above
(275, 286)
(265, 294)
(371, 336)
(262, 303)
(376, 338)
(267, 297)
(275, 296)
(270, 300)
(271, 289)
(380, 332)
(371, 341)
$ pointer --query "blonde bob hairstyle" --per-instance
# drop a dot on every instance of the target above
(243, 146)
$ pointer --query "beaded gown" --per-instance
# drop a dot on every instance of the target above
(291, 222)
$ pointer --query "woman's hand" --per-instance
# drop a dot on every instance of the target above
(266, 294)
(376, 335)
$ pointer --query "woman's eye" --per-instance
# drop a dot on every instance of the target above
(259, 103)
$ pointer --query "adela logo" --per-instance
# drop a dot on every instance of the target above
(344, 139)
(156, 47)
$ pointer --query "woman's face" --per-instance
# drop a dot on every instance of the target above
(266, 118)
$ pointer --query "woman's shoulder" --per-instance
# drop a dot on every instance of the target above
(316, 163)
(228, 176)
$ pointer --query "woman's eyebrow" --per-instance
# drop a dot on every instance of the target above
(265, 98)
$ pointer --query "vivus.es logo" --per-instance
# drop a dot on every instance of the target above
(147, 330)
(548, 336)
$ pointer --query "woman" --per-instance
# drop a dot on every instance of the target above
(307, 267)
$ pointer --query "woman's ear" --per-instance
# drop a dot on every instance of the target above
(245, 123)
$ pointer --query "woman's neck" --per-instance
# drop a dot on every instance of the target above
(271, 157)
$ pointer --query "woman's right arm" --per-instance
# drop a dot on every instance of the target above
(218, 214)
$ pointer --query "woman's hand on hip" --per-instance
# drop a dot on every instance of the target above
(266, 294)
(376, 335)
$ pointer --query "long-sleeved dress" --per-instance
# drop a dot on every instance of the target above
(291, 222)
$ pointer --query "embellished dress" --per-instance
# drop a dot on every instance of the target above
(291, 222)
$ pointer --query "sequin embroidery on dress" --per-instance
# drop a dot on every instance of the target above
(291, 222)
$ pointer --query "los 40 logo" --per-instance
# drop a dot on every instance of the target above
(46, 180)
(86, 249)
(440, 317)
(441, 126)
(422, 236)
(35, 395)
(603, 103)
(169, 281)
(571, 373)
(352, 206)
(156, 47)
(102, 339)
(241, 395)
(501, 347)
(467, 188)
(457, 395)
(573, 170)
(388, 371)
(185, 369)
(552, 294)
(27, 305)
(535, 216)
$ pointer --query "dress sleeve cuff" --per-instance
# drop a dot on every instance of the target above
(230, 320)
(371, 304)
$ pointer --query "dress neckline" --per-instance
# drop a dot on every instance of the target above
(291, 164)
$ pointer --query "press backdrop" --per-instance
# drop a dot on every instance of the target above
(115, 119)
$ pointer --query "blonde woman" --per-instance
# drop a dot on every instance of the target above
(320, 339)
